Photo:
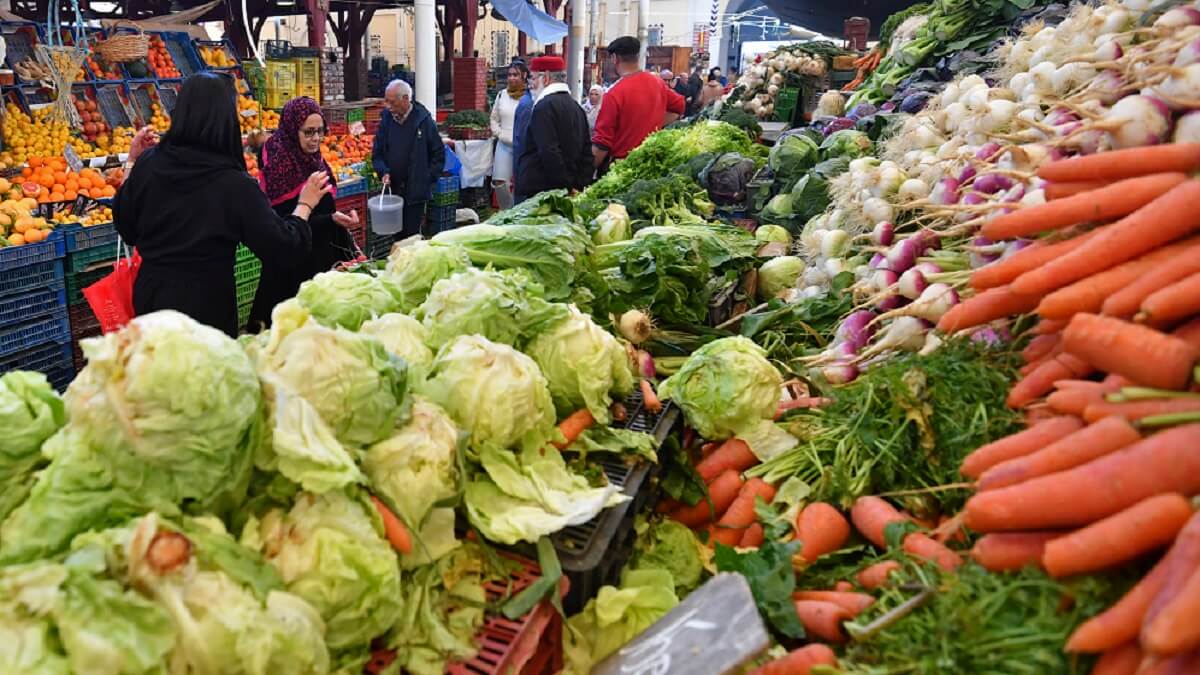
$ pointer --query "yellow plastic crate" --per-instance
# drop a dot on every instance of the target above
(312, 91)
(281, 74)
(308, 71)
(277, 97)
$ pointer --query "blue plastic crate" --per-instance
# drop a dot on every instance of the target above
(60, 377)
(182, 51)
(16, 309)
(40, 359)
(32, 276)
(53, 328)
(12, 257)
(442, 215)
(446, 184)
(350, 188)
(79, 237)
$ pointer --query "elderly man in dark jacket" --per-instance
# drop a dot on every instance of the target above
(556, 149)
(408, 154)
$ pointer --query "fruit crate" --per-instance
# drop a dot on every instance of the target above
(84, 322)
(379, 246)
(83, 259)
(246, 291)
(168, 93)
(34, 95)
(33, 304)
(42, 359)
(77, 281)
(247, 270)
(351, 188)
(475, 198)
(143, 94)
(445, 192)
(33, 275)
(114, 105)
(183, 53)
(79, 237)
(441, 218)
(20, 38)
(60, 377)
(52, 328)
(592, 554)
(215, 45)
(13, 257)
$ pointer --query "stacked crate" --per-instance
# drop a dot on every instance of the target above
(281, 83)
(34, 331)
(308, 75)
(470, 84)
(444, 207)
(91, 252)
(333, 78)
(247, 269)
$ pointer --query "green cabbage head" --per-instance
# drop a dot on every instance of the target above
(405, 337)
(493, 392)
(612, 225)
(779, 274)
(501, 306)
(30, 412)
(583, 363)
(413, 270)
(346, 299)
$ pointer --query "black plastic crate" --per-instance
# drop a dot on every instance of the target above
(60, 376)
(113, 105)
(77, 281)
(380, 245)
(475, 198)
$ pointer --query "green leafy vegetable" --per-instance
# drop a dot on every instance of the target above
(615, 616)
(30, 412)
(413, 270)
(346, 299)
(504, 307)
(553, 255)
(405, 337)
(671, 546)
(772, 580)
(668, 200)
(584, 364)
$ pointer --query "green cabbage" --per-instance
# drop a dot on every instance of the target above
(329, 549)
(613, 224)
(778, 209)
(413, 270)
(165, 414)
(848, 143)
(552, 254)
(493, 392)
(669, 545)
(769, 233)
(792, 155)
(729, 388)
(405, 337)
(779, 274)
(30, 412)
(346, 299)
(616, 616)
(501, 306)
(583, 364)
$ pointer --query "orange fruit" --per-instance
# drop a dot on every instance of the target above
(34, 236)
(71, 184)
(27, 171)
(58, 187)
(34, 162)
(57, 197)
(46, 181)
(84, 182)
(16, 240)
(70, 194)
(86, 192)
(60, 177)
(109, 191)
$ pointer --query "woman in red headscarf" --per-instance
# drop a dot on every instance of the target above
(288, 158)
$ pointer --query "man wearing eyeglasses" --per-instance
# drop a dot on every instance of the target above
(408, 154)
(555, 150)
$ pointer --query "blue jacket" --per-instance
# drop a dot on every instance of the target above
(521, 119)
(412, 153)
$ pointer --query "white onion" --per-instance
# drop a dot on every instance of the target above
(877, 209)
(949, 94)
(912, 189)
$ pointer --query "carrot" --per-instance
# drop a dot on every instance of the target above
(876, 575)
(1103, 437)
(1062, 189)
(1143, 527)
(1006, 551)
(1096, 206)
(1018, 445)
(821, 529)
(740, 515)
(1189, 332)
(1089, 294)
(573, 426)
(649, 397)
(871, 516)
(1121, 660)
(667, 505)
(924, 547)
(800, 403)
(855, 603)
(1118, 164)
(1176, 628)
(733, 454)
(1168, 461)
(1125, 302)
(397, 534)
(949, 528)
(1049, 327)
(1179, 664)
(822, 619)
(799, 661)
(1137, 410)
(1074, 400)
(1121, 622)
(843, 587)
(1180, 299)
(1031, 367)
(991, 304)
(1040, 346)
(754, 537)
(1181, 562)
(1039, 382)
(722, 491)
(1172, 216)
(1141, 354)
(1007, 270)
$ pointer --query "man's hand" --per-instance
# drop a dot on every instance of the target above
(599, 154)
(386, 179)
(346, 220)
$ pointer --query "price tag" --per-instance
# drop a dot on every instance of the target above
(249, 113)
(98, 162)
(357, 129)
(73, 161)
(696, 636)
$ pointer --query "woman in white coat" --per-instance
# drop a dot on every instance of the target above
(503, 114)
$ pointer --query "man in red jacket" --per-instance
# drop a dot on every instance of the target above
(635, 107)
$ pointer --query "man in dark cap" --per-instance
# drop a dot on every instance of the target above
(555, 151)
(635, 107)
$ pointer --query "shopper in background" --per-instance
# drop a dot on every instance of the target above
(556, 150)
(187, 203)
(591, 106)
(635, 107)
(695, 86)
(289, 157)
(504, 111)
(711, 92)
(716, 72)
(408, 155)
(521, 123)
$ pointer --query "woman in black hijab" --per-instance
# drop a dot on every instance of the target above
(189, 202)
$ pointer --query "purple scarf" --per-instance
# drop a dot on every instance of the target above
(285, 165)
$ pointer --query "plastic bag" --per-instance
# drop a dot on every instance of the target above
(111, 298)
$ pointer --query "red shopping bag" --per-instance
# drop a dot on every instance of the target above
(111, 298)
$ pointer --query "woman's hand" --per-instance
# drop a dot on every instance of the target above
(143, 140)
(316, 187)
(346, 220)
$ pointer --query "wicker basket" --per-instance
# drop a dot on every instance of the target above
(124, 47)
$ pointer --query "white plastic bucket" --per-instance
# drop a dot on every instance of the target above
(387, 212)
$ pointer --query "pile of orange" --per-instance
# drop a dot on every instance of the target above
(160, 59)
(47, 179)
(252, 164)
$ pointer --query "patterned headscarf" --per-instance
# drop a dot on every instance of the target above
(285, 165)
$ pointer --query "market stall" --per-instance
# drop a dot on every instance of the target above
(910, 390)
